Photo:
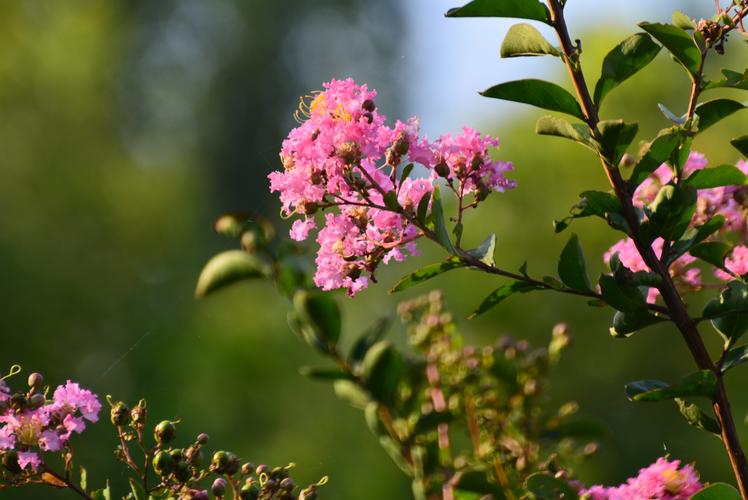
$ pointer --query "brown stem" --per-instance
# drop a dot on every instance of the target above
(671, 297)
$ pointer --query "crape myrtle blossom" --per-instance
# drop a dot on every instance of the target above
(30, 424)
(731, 202)
(343, 156)
(663, 480)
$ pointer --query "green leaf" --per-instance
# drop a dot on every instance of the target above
(615, 137)
(500, 294)
(660, 150)
(682, 21)
(423, 208)
(701, 383)
(696, 417)
(734, 357)
(723, 175)
(672, 211)
(571, 266)
(732, 80)
(485, 251)
(625, 60)
(538, 93)
(525, 9)
(426, 273)
(321, 313)
(440, 226)
(381, 370)
(711, 112)
(371, 336)
(137, 490)
(475, 481)
(578, 132)
(679, 43)
(717, 491)
(227, 268)
(597, 203)
(694, 236)
(627, 323)
(728, 311)
(102, 494)
(623, 297)
(324, 373)
(351, 393)
(741, 144)
(525, 40)
(84, 479)
(543, 486)
(712, 252)
(390, 201)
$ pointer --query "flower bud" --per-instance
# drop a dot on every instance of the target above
(369, 105)
(36, 380)
(442, 169)
(308, 493)
(287, 484)
(262, 469)
(140, 412)
(120, 414)
(219, 487)
(401, 146)
(249, 492)
(233, 465)
(18, 401)
(163, 463)
(220, 462)
(165, 432)
(203, 438)
(177, 455)
(248, 468)
(182, 472)
(37, 400)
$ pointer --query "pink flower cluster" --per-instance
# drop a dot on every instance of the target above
(729, 201)
(344, 156)
(663, 480)
(30, 424)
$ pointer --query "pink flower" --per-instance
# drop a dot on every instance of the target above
(300, 229)
(663, 480)
(26, 458)
(70, 398)
(736, 263)
(4, 392)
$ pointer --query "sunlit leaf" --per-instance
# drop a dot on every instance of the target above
(525, 40)
(426, 273)
(701, 383)
(711, 112)
(227, 268)
(525, 9)
(538, 93)
(500, 294)
(625, 60)
(679, 43)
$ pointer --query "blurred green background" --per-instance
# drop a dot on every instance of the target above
(128, 126)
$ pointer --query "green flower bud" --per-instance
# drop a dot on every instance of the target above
(37, 400)
(163, 463)
(233, 465)
(220, 462)
(249, 492)
(177, 455)
(183, 472)
(120, 414)
(18, 401)
(36, 380)
(165, 432)
(219, 487)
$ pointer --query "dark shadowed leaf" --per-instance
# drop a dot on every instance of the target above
(722, 175)
(701, 383)
(713, 252)
(319, 311)
(524, 9)
(500, 294)
(678, 42)
(672, 211)
(474, 481)
(525, 40)
(546, 487)
(741, 144)
(538, 93)
(659, 151)
(371, 336)
(426, 273)
(324, 373)
(227, 268)
(627, 323)
(579, 132)
(711, 112)
(694, 236)
(736, 356)
(628, 57)
(732, 80)
(623, 297)
(729, 311)
(717, 491)
(572, 268)
(382, 369)
(615, 137)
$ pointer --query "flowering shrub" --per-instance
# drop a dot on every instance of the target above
(35, 435)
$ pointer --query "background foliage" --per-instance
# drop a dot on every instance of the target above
(128, 126)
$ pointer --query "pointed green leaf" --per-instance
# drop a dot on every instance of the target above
(701, 383)
(538, 93)
(682, 21)
(625, 298)
(732, 80)
(615, 137)
(485, 251)
(672, 211)
(137, 490)
(227, 268)
(625, 60)
(679, 43)
(579, 132)
(627, 323)
(696, 417)
(525, 40)
(426, 273)
(659, 151)
(440, 225)
(728, 311)
(319, 311)
(381, 370)
(694, 236)
(102, 494)
(572, 268)
(723, 175)
(736, 356)
(390, 201)
(712, 252)
(711, 112)
(741, 144)
(524, 9)
(500, 294)
(351, 393)
(423, 208)
(717, 491)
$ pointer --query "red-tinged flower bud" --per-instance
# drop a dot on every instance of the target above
(248, 468)
(234, 464)
(200, 495)
(369, 105)
(120, 414)
(203, 438)
(37, 400)
(287, 484)
(163, 463)
(442, 169)
(165, 432)
(140, 412)
(262, 469)
(315, 134)
(308, 493)
(219, 487)
(401, 146)
(36, 380)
